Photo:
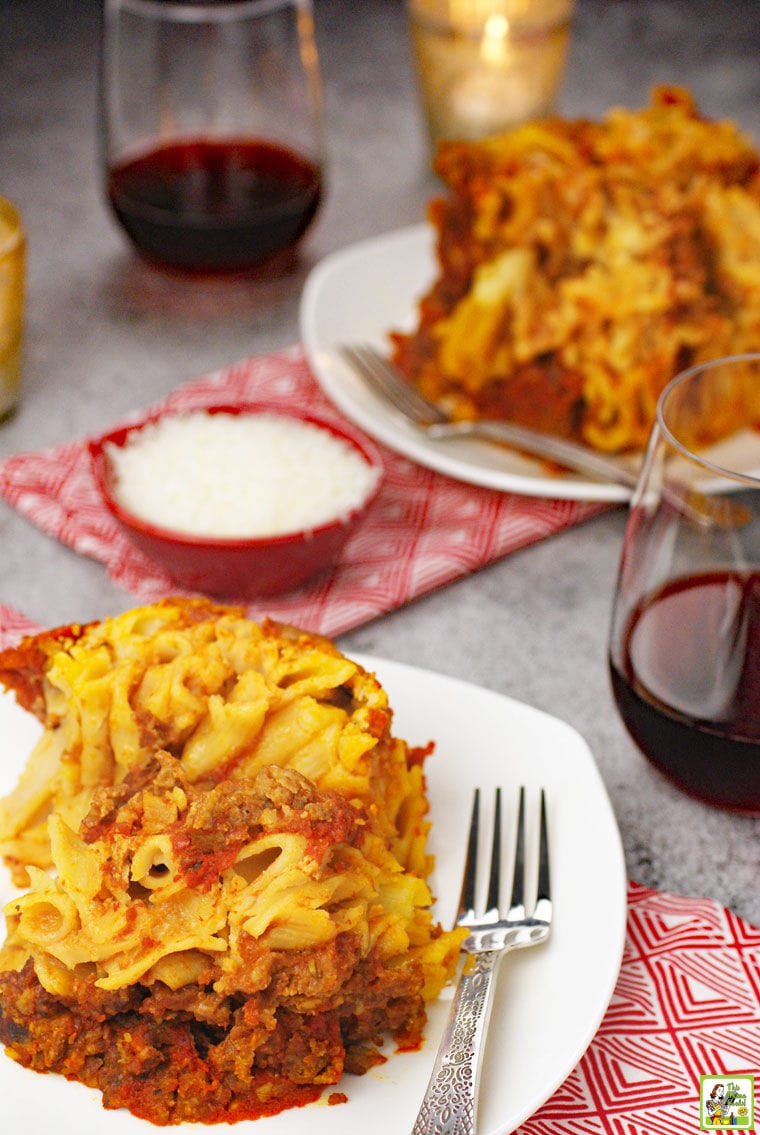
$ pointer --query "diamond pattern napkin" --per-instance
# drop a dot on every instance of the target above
(424, 531)
(686, 1004)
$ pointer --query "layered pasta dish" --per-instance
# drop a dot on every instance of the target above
(221, 850)
(582, 264)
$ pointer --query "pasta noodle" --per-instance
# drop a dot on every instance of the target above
(224, 850)
(583, 264)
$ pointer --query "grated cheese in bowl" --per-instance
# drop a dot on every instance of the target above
(238, 475)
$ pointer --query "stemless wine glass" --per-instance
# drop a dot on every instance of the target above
(211, 128)
(685, 634)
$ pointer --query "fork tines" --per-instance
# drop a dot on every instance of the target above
(517, 902)
(385, 378)
(450, 1103)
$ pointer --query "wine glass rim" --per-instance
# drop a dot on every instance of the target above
(198, 11)
(690, 454)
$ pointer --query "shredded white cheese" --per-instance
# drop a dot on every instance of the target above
(238, 475)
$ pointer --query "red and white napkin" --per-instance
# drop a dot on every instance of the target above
(424, 531)
(686, 1004)
(13, 625)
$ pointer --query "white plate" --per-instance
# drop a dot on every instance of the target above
(549, 1000)
(360, 294)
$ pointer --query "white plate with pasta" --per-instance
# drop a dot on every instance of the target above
(550, 1000)
(359, 295)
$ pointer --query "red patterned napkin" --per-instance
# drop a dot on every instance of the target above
(424, 531)
(13, 625)
(686, 1004)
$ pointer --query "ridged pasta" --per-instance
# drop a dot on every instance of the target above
(234, 903)
(581, 265)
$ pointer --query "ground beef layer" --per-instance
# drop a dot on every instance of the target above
(193, 1055)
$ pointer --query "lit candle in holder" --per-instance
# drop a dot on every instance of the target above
(486, 65)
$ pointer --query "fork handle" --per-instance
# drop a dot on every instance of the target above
(450, 1104)
(564, 452)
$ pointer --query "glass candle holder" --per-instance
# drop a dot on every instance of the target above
(211, 129)
(484, 66)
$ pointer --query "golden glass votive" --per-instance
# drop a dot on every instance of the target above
(484, 66)
(12, 271)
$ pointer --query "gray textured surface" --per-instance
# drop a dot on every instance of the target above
(107, 335)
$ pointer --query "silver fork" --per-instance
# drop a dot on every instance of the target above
(451, 1101)
(384, 378)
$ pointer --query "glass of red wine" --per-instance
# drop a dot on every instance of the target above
(685, 635)
(211, 129)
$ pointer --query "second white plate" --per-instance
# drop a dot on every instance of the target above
(360, 294)
(549, 1000)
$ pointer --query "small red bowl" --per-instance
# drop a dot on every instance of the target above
(237, 567)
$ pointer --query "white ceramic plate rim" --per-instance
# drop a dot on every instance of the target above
(550, 999)
(359, 294)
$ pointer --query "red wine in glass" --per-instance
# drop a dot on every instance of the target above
(207, 205)
(687, 684)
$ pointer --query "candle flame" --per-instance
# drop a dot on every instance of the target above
(494, 46)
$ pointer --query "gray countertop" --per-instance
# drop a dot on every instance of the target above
(107, 335)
